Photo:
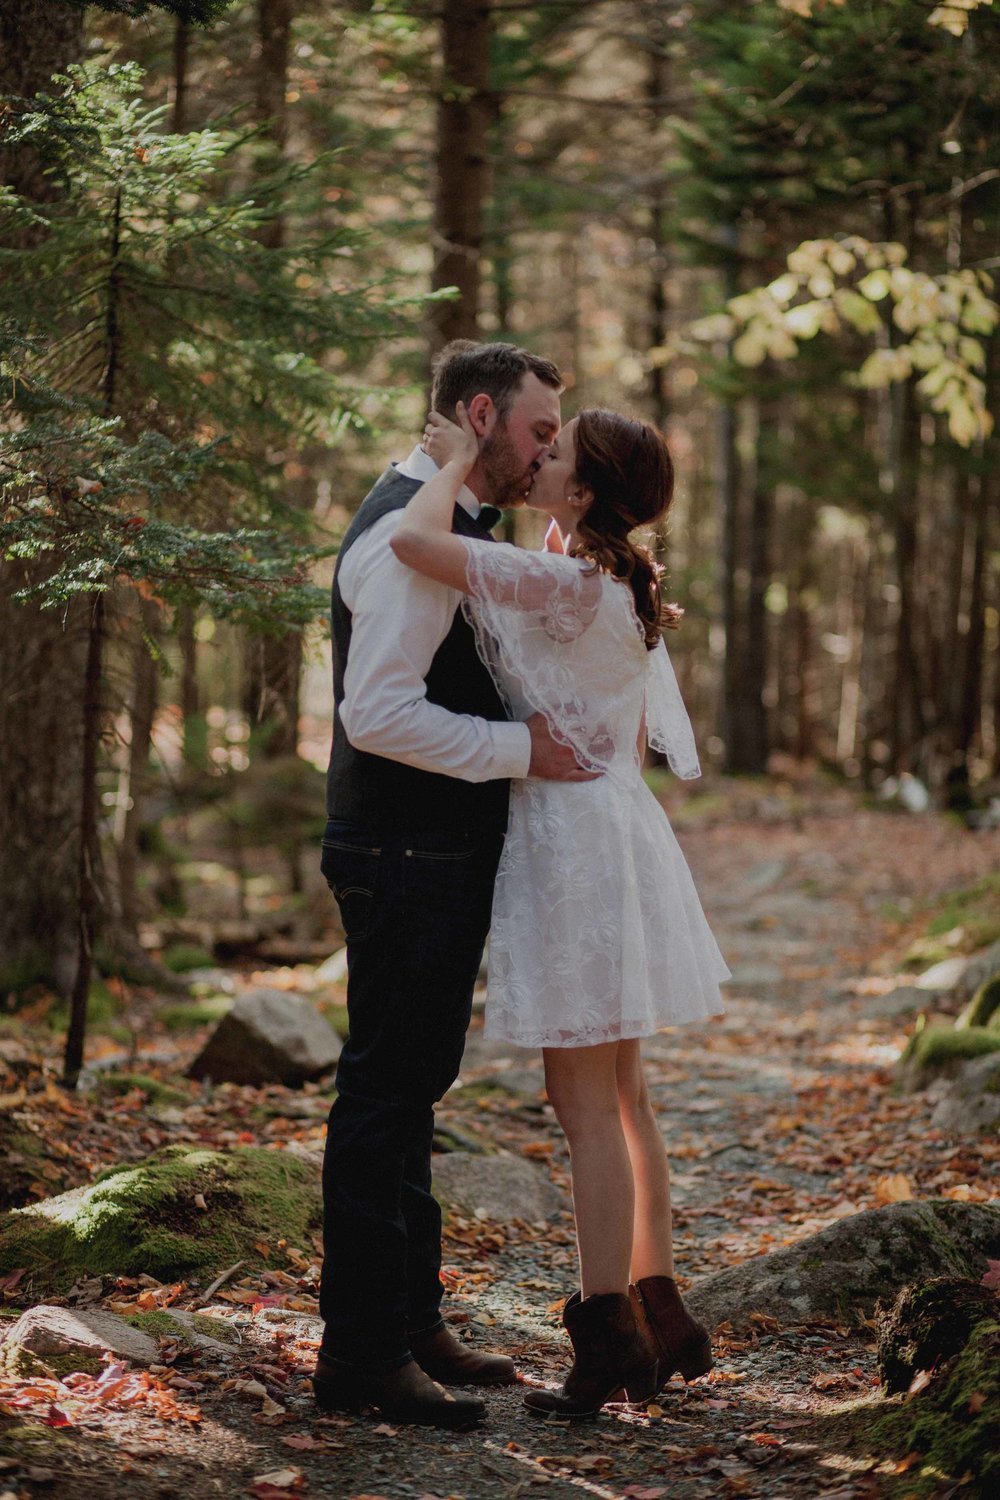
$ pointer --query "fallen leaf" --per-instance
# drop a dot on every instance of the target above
(302, 1440)
(895, 1187)
(269, 1408)
(991, 1280)
(281, 1480)
(907, 1463)
(920, 1382)
(976, 1403)
(245, 1387)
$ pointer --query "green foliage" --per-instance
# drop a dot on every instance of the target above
(117, 1085)
(974, 908)
(191, 12)
(185, 1015)
(945, 319)
(182, 956)
(148, 399)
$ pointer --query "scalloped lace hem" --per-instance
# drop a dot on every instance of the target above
(591, 1036)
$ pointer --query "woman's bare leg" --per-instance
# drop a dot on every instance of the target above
(582, 1085)
(652, 1239)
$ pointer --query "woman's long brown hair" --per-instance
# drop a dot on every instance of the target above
(626, 464)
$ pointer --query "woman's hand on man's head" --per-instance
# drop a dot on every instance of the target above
(451, 442)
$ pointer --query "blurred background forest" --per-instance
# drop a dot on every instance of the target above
(233, 236)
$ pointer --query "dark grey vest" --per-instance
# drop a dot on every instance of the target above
(384, 795)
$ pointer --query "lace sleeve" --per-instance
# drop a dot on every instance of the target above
(668, 727)
(530, 612)
(557, 595)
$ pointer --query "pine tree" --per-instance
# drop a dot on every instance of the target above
(193, 347)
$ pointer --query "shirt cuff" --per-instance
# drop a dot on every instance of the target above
(512, 747)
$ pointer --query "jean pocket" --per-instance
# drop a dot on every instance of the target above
(351, 872)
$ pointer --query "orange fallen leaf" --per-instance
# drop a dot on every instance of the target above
(894, 1187)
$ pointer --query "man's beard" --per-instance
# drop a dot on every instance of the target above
(507, 481)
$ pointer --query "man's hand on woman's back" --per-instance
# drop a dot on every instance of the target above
(550, 760)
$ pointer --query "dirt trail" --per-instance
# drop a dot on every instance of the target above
(779, 1118)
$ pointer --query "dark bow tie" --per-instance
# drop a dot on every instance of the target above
(488, 516)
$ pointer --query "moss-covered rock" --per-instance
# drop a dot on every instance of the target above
(845, 1269)
(941, 1051)
(929, 1322)
(984, 1006)
(145, 1218)
(193, 1329)
(948, 1328)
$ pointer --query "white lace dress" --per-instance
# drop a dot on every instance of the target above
(597, 931)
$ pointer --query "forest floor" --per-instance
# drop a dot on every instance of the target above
(779, 1118)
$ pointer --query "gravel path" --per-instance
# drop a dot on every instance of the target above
(779, 1118)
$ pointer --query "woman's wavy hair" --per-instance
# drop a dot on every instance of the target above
(626, 464)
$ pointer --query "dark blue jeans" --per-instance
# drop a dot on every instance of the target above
(415, 914)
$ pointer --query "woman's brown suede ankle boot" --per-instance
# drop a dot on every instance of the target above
(682, 1343)
(610, 1353)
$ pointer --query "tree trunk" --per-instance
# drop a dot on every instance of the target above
(274, 34)
(41, 671)
(273, 664)
(972, 656)
(907, 725)
(749, 749)
(37, 39)
(657, 83)
(142, 713)
(182, 47)
(462, 169)
(271, 704)
(730, 534)
(88, 866)
(42, 660)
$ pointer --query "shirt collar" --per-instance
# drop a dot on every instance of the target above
(420, 465)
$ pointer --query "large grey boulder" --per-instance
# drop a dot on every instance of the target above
(66, 1338)
(971, 1102)
(500, 1187)
(843, 1270)
(269, 1036)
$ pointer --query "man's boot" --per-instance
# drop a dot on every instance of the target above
(402, 1394)
(443, 1357)
(682, 1343)
(611, 1353)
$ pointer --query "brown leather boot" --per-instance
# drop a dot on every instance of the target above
(443, 1357)
(682, 1343)
(610, 1352)
(403, 1394)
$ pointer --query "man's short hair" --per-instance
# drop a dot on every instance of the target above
(464, 369)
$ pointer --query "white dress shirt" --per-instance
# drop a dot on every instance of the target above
(398, 621)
